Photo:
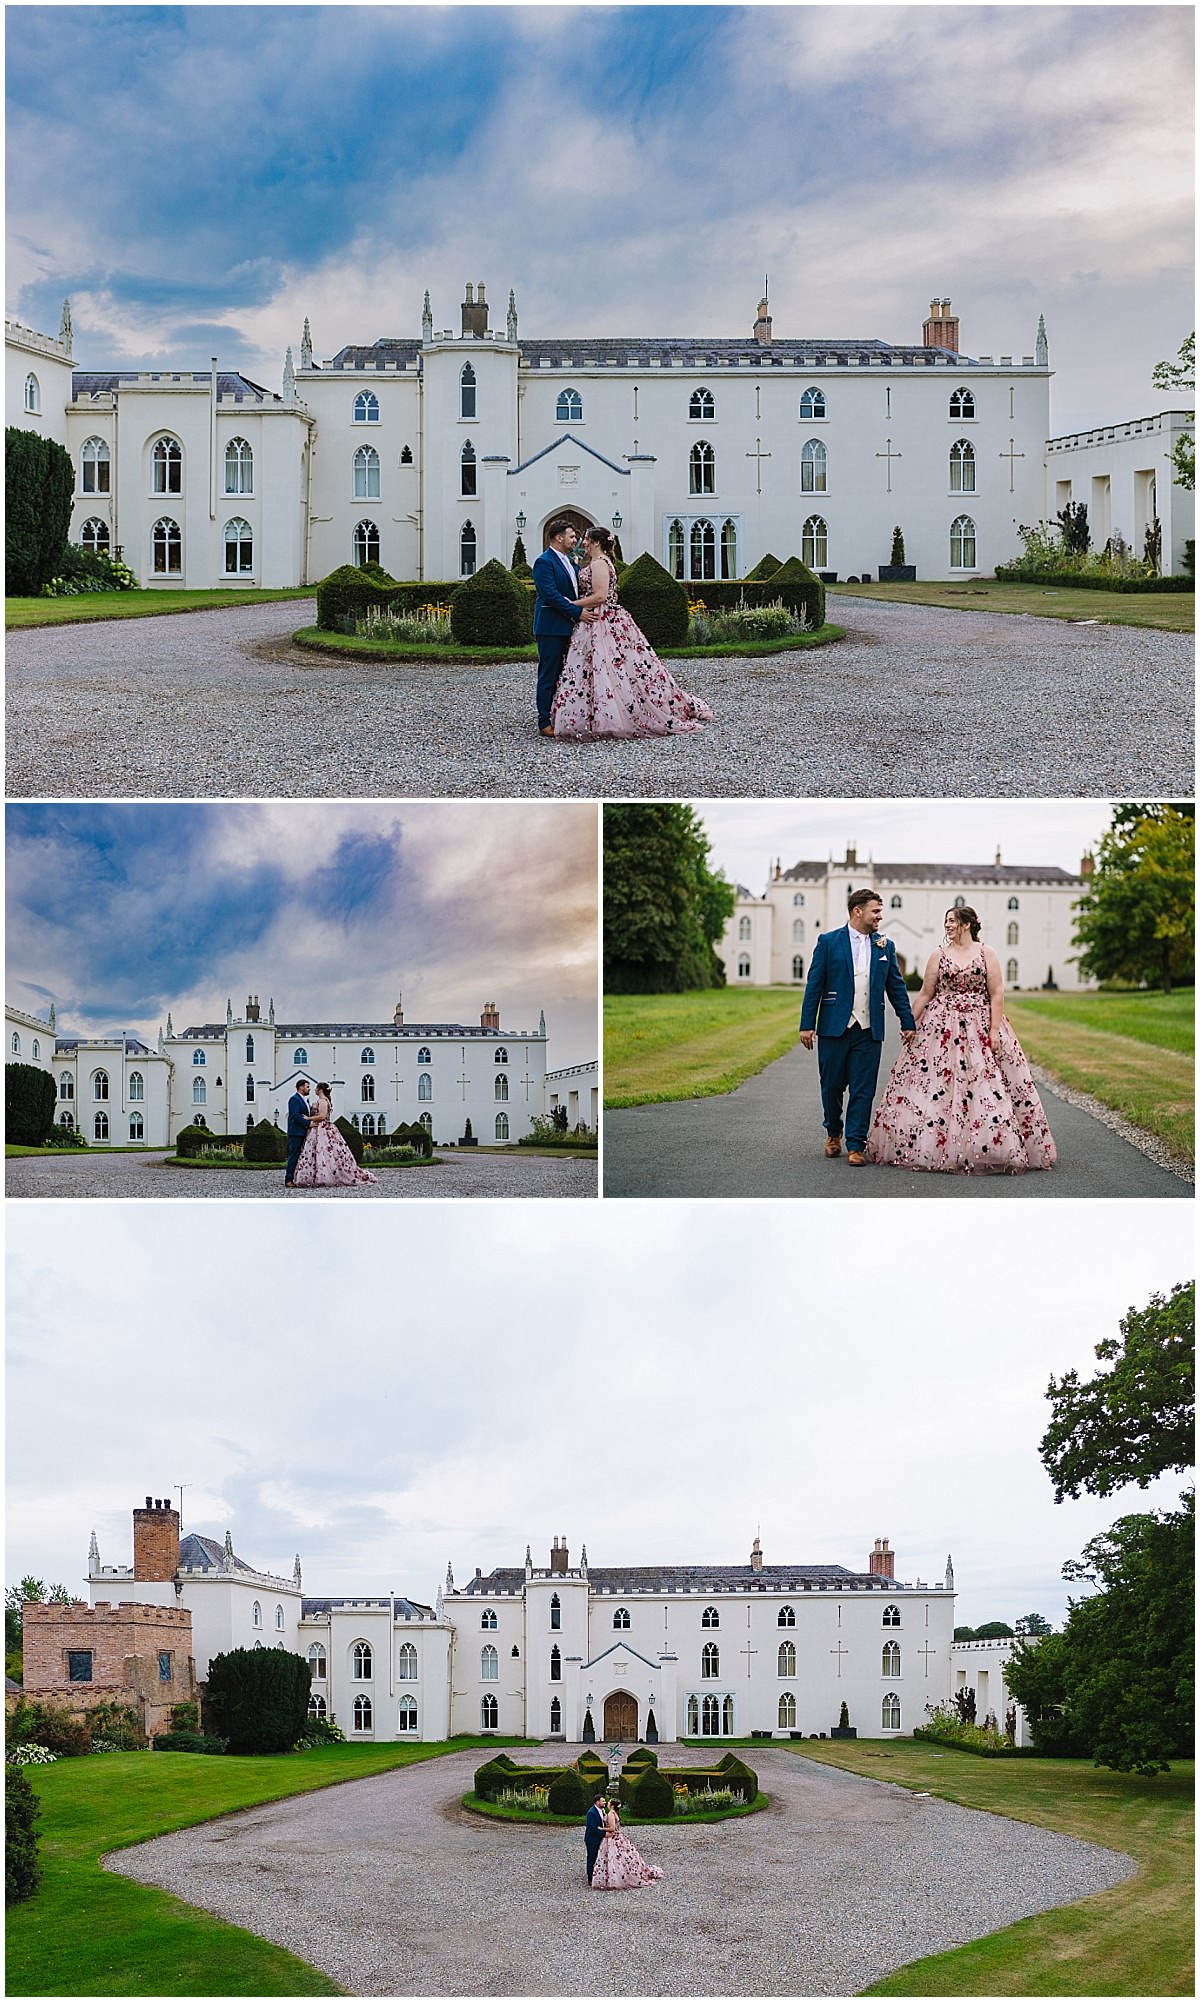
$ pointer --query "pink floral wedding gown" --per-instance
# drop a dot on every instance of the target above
(326, 1161)
(620, 1866)
(613, 684)
(957, 1102)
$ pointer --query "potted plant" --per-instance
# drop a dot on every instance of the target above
(897, 571)
(844, 1728)
(468, 1139)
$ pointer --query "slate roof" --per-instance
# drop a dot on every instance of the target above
(376, 1030)
(939, 872)
(232, 387)
(695, 1578)
(134, 1047)
(200, 1553)
(406, 1609)
(672, 350)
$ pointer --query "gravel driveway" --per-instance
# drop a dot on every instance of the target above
(393, 1889)
(142, 1175)
(916, 701)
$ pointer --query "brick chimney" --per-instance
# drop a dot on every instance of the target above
(490, 1018)
(852, 856)
(762, 326)
(558, 1558)
(155, 1542)
(882, 1561)
(756, 1555)
(252, 1008)
(398, 1016)
(474, 315)
(1088, 864)
(941, 328)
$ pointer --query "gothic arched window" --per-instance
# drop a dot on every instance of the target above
(249, 1091)
(704, 549)
(166, 548)
(100, 1126)
(555, 1715)
(702, 468)
(199, 1091)
(555, 1610)
(489, 1664)
(710, 1661)
(1014, 935)
(166, 467)
(368, 1088)
(814, 467)
(366, 407)
(502, 1126)
(362, 1661)
(239, 467)
(891, 1616)
(300, 1056)
(468, 471)
(468, 548)
(798, 901)
(743, 927)
(406, 1663)
(502, 1089)
(621, 1618)
(368, 1124)
(743, 966)
(555, 1665)
(239, 548)
(702, 409)
(423, 1056)
(1010, 973)
(675, 549)
(787, 1711)
(406, 1720)
(366, 544)
(710, 1617)
(95, 535)
(488, 1622)
(137, 1130)
(787, 1657)
(368, 1056)
(891, 1658)
(814, 543)
(366, 473)
(33, 394)
(249, 1049)
(962, 467)
(317, 1663)
(256, 1614)
(1014, 903)
(569, 408)
(424, 1089)
(897, 904)
(137, 1085)
(812, 404)
(66, 1085)
(489, 1713)
(962, 403)
(363, 1713)
(467, 389)
(317, 1706)
(798, 931)
(100, 1084)
(962, 543)
(729, 548)
(787, 1616)
(797, 966)
(891, 1712)
(198, 1057)
(501, 1056)
(95, 467)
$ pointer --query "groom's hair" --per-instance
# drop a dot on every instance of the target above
(857, 898)
(557, 526)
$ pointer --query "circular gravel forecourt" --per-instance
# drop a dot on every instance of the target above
(457, 1177)
(915, 701)
(393, 1888)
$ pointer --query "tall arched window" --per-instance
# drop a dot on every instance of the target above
(1014, 935)
(424, 1088)
(488, 1622)
(710, 1617)
(33, 394)
(199, 1091)
(787, 1711)
(962, 543)
(675, 548)
(489, 1713)
(569, 408)
(891, 1712)
(100, 1126)
(814, 467)
(621, 1618)
(166, 548)
(95, 535)
(501, 1088)
(239, 467)
(256, 1614)
(279, 1619)
(962, 403)
(710, 1661)
(15, 1044)
(100, 1084)
(136, 1087)
(702, 468)
(797, 966)
(701, 408)
(468, 472)
(66, 1085)
(798, 931)
(239, 548)
(812, 405)
(368, 1088)
(555, 1610)
(468, 549)
(467, 391)
(318, 1666)
(426, 1120)
(891, 1616)
(368, 1124)
(962, 467)
(729, 547)
(502, 1126)
(95, 467)
(366, 407)
(555, 1715)
(249, 1049)
(406, 1719)
(362, 1661)
(366, 544)
(1010, 972)
(363, 1713)
(814, 543)
(166, 467)
(704, 549)
(406, 1663)
(366, 473)
(743, 966)
(249, 1090)
(489, 1664)
(317, 1706)
(368, 1055)
(710, 1717)
(555, 1665)
(891, 1658)
(727, 1716)
(743, 927)
(137, 1130)
(787, 1657)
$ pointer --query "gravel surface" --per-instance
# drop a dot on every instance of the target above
(142, 1175)
(391, 1888)
(921, 700)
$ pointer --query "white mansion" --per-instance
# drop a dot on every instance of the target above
(117, 1091)
(432, 454)
(572, 1650)
(1025, 912)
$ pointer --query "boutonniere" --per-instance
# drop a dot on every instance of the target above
(882, 943)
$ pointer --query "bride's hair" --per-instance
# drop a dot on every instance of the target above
(966, 916)
(325, 1092)
(602, 539)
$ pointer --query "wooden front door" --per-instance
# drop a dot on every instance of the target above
(579, 521)
(620, 1718)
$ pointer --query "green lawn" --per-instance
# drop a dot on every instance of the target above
(358, 647)
(86, 1932)
(1133, 1052)
(1171, 612)
(664, 1046)
(133, 604)
(15, 1153)
(1134, 1940)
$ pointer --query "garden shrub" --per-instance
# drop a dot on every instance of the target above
(568, 1795)
(593, 1767)
(116, 1725)
(350, 1134)
(185, 1716)
(657, 601)
(520, 560)
(648, 1794)
(492, 608)
(258, 1698)
(416, 1136)
(797, 588)
(320, 1731)
(765, 567)
(265, 1142)
(30, 1096)
(193, 1741)
(192, 1140)
(46, 1724)
(896, 559)
(643, 1756)
(22, 1867)
(492, 1775)
(39, 494)
(84, 570)
(377, 573)
(349, 591)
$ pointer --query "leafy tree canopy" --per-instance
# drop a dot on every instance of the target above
(17, 1597)
(1174, 376)
(1032, 1626)
(1136, 919)
(1137, 1418)
(663, 907)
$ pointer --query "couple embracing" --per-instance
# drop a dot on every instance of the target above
(317, 1155)
(598, 675)
(960, 1098)
(614, 1863)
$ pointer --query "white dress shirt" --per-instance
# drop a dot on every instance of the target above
(568, 566)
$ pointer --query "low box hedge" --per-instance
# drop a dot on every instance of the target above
(492, 608)
(1009, 573)
(765, 567)
(656, 601)
(730, 1772)
(348, 591)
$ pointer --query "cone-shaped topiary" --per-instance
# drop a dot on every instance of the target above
(568, 1794)
(650, 1796)
(656, 601)
(795, 586)
(897, 555)
(519, 557)
(350, 1134)
(765, 567)
(492, 608)
(265, 1142)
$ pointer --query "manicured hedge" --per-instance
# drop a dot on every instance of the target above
(29, 1100)
(264, 1142)
(350, 1134)
(568, 1794)
(258, 1698)
(643, 1756)
(22, 1867)
(192, 1140)
(189, 1741)
(729, 1772)
(656, 601)
(647, 1793)
(765, 567)
(500, 1772)
(795, 584)
(492, 608)
(39, 494)
(1009, 573)
(349, 590)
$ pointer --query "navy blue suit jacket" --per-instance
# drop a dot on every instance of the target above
(594, 1826)
(554, 614)
(829, 989)
(298, 1114)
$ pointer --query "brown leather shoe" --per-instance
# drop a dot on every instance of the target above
(832, 1148)
(856, 1160)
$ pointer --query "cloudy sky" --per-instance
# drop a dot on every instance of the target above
(785, 1375)
(121, 913)
(747, 835)
(247, 166)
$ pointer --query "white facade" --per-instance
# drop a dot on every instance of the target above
(38, 379)
(980, 1665)
(1026, 915)
(28, 1040)
(577, 1090)
(1123, 475)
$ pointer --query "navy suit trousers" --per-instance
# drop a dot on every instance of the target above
(552, 651)
(295, 1149)
(849, 1063)
(592, 1845)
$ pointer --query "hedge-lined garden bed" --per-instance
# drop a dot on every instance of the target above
(565, 1793)
(1070, 580)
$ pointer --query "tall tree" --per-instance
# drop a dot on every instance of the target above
(663, 907)
(1137, 1419)
(1135, 921)
(1033, 1625)
(1174, 376)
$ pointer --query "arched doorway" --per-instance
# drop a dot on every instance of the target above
(579, 522)
(620, 1718)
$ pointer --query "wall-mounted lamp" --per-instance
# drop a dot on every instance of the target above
(521, 519)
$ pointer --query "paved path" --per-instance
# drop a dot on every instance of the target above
(143, 1175)
(766, 1139)
(393, 1889)
(210, 704)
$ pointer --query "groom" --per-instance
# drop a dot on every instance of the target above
(299, 1114)
(555, 613)
(593, 1832)
(852, 968)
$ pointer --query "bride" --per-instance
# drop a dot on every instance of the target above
(613, 684)
(325, 1160)
(961, 1099)
(619, 1865)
